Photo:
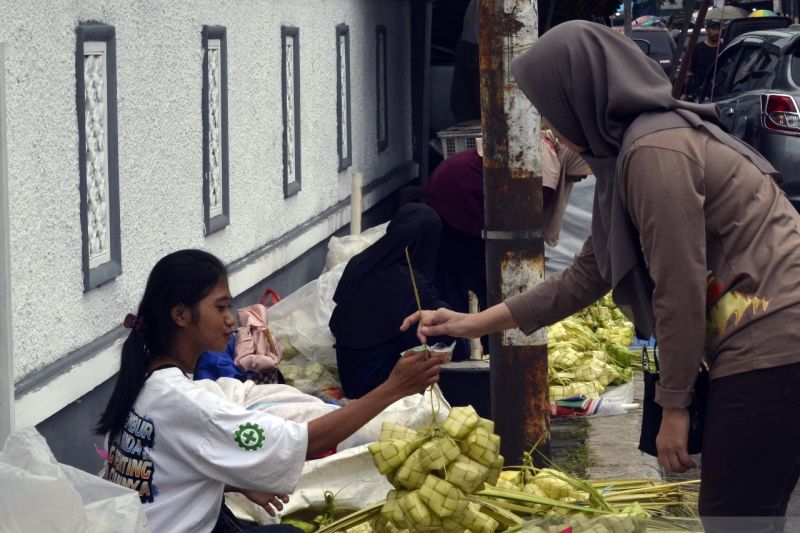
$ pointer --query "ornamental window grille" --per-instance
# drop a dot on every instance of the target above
(344, 130)
(290, 91)
(382, 86)
(216, 210)
(96, 99)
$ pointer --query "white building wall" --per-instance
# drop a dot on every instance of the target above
(159, 87)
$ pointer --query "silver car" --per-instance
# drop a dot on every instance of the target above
(757, 90)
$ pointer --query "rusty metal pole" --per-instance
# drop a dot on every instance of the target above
(513, 215)
(688, 6)
(628, 18)
(680, 81)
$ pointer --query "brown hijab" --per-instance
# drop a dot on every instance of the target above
(592, 84)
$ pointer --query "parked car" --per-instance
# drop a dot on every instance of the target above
(657, 44)
(736, 27)
(757, 90)
(732, 29)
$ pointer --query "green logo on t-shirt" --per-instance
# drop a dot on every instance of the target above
(249, 436)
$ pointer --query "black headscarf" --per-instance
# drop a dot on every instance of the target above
(592, 84)
(375, 292)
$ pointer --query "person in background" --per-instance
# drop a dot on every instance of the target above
(375, 293)
(455, 192)
(703, 59)
(700, 247)
(181, 446)
(575, 225)
(562, 169)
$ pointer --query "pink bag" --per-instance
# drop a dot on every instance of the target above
(255, 349)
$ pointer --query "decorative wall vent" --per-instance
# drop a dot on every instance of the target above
(382, 86)
(96, 99)
(216, 210)
(290, 89)
(344, 130)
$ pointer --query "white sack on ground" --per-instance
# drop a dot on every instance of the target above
(300, 321)
(342, 249)
(350, 473)
(39, 494)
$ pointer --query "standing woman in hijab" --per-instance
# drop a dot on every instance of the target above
(375, 294)
(699, 246)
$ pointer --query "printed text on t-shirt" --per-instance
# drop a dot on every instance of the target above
(129, 461)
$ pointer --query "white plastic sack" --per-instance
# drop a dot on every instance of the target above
(39, 494)
(300, 320)
(412, 412)
(342, 249)
(350, 474)
(289, 403)
(275, 399)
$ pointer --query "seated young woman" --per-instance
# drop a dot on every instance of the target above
(375, 293)
(181, 446)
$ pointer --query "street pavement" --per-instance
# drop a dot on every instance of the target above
(613, 454)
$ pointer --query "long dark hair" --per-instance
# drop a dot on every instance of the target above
(183, 277)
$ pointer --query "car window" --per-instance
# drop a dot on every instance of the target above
(725, 68)
(755, 69)
(749, 59)
(661, 42)
(765, 71)
(795, 67)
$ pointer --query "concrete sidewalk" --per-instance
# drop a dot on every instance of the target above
(612, 444)
(609, 445)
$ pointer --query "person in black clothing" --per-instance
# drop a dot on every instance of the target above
(703, 59)
(375, 294)
(455, 191)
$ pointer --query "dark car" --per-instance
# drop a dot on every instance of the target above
(736, 27)
(757, 90)
(657, 43)
(732, 29)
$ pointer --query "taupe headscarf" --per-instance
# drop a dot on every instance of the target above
(591, 84)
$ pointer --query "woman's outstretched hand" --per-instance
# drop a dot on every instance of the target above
(411, 374)
(440, 322)
(414, 372)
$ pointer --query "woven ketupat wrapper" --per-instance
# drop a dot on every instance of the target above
(460, 421)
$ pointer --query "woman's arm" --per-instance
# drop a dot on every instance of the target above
(547, 302)
(444, 321)
(664, 190)
(412, 374)
(560, 295)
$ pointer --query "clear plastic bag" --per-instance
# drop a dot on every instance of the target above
(39, 494)
(300, 321)
(342, 249)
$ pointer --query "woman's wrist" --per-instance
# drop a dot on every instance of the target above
(386, 393)
(496, 318)
(479, 324)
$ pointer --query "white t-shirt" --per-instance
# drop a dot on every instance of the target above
(182, 444)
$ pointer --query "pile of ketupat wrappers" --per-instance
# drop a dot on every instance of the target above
(433, 471)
